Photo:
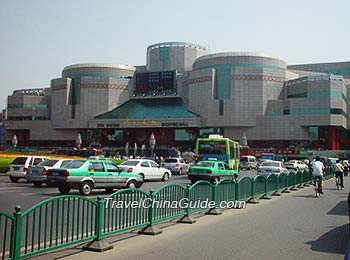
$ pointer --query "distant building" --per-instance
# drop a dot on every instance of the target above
(183, 93)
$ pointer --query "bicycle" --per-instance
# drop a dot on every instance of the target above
(318, 186)
(337, 182)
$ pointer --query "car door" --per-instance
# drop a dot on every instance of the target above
(146, 169)
(221, 169)
(156, 174)
(98, 174)
(115, 179)
(184, 165)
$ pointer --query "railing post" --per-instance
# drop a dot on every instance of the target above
(277, 193)
(17, 234)
(266, 195)
(215, 210)
(287, 188)
(98, 244)
(150, 229)
(253, 199)
(187, 219)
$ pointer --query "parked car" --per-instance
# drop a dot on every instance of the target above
(210, 171)
(272, 167)
(86, 175)
(20, 165)
(176, 165)
(248, 162)
(37, 174)
(146, 169)
(155, 159)
(296, 165)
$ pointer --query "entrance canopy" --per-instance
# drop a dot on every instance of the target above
(150, 108)
(148, 112)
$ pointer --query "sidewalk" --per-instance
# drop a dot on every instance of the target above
(293, 226)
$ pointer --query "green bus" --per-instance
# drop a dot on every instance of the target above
(217, 147)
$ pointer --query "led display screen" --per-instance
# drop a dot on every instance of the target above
(155, 82)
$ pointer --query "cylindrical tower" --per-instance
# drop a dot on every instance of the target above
(178, 56)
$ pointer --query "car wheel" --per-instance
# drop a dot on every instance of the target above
(14, 179)
(132, 184)
(37, 183)
(109, 190)
(165, 177)
(64, 189)
(142, 176)
(86, 188)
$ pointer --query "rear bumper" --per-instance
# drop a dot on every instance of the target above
(36, 178)
(17, 174)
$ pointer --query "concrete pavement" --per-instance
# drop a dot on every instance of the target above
(293, 226)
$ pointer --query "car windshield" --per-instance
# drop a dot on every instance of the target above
(130, 163)
(273, 164)
(206, 164)
(244, 159)
(20, 160)
(170, 161)
(48, 163)
(75, 164)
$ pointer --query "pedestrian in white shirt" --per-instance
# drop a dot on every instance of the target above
(318, 171)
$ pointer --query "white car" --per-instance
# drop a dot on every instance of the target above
(146, 169)
(296, 165)
(271, 167)
(19, 166)
(37, 174)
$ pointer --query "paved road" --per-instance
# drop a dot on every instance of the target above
(26, 195)
(294, 226)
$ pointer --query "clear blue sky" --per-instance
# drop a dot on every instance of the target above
(40, 37)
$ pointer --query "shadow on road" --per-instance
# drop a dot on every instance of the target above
(340, 209)
(334, 241)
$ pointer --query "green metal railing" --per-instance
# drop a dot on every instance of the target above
(70, 219)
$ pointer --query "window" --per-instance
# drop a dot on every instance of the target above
(49, 163)
(37, 161)
(182, 161)
(226, 166)
(221, 107)
(170, 161)
(153, 164)
(75, 164)
(65, 163)
(145, 164)
(286, 112)
(130, 163)
(20, 160)
(112, 167)
(221, 167)
(97, 166)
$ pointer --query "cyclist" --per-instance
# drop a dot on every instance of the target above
(317, 171)
(339, 171)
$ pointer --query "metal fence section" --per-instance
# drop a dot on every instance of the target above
(57, 222)
(6, 235)
(167, 202)
(70, 219)
(200, 191)
(226, 190)
(125, 209)
(244, 189)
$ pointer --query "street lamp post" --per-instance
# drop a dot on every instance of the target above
(152, 143)
(14, 141)
(78, 141)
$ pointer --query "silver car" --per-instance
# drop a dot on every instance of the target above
(272, 167)
(176, 165)
(37, 174)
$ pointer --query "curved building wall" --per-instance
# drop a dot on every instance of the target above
(173, 56)
(98, 70)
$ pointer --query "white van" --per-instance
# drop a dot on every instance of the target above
(19, 166)
(248, 162)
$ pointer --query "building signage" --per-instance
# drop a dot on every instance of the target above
(174, 124)
(142, 123)
(108, 125)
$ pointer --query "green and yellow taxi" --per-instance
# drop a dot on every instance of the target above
(210, 171)
(86, 175)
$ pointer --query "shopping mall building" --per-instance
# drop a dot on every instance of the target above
(183, 93)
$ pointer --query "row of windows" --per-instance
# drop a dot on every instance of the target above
(318, 94)
(27, 105)
(26, 118)
(314, 111)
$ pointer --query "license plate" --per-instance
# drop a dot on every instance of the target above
(35, 172)
(55, 174)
